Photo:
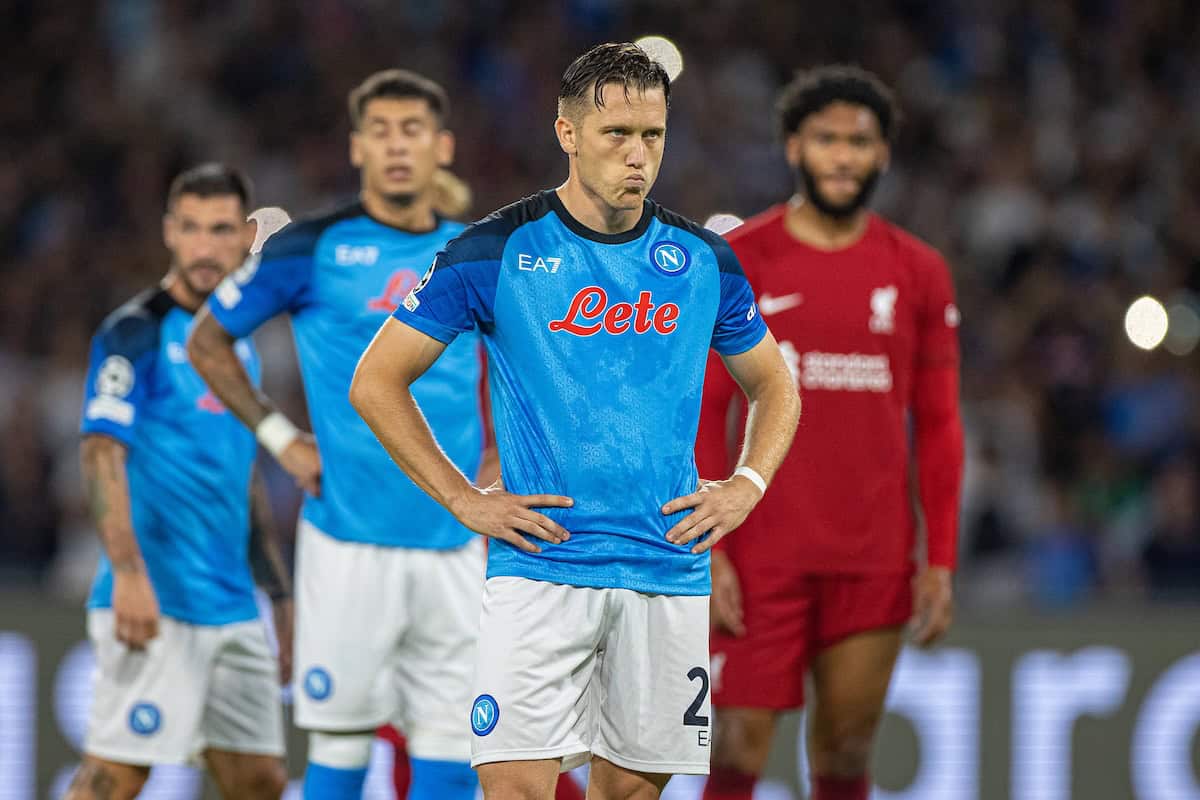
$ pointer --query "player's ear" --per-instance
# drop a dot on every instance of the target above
(793, 149)
(566, 131)
(444, 148)
(356, 156)
(168, 230)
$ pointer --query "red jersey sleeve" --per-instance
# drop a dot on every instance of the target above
(937, 421)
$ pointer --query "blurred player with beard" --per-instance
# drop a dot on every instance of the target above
(183, 665)
(388, 583)
(820, 578)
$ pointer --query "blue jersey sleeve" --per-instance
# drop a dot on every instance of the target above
(739, 326)
(278, 280)
(120, 366)
(458, 291)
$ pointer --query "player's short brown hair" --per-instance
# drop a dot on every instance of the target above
(401, 83)
(612, 62)
(211, 180)
(812, 90)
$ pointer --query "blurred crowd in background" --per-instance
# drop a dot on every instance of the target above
(1050, 149)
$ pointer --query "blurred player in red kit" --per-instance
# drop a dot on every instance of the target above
(823, 578)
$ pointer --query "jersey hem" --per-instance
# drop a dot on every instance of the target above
(589, 580)
(379, 542)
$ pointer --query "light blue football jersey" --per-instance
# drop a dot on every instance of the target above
(188, 463)
(597, 347)
(339, 276)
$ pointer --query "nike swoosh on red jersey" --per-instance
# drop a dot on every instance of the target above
(769, 305)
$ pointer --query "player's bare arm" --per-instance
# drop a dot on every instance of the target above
(381, 394)
(270, 572)
(719, 507)
(210, 348)
(135, 606)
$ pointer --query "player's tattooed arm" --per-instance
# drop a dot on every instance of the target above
(719, 507)
(270, 571)
(381, 394)
(266, 560)
(135, 607)
(211, 351)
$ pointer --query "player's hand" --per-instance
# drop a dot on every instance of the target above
(135, 607)
(282, 611)
(725, 605)
(718, 508)
(302, 461)
(501, 515)
(933, 605)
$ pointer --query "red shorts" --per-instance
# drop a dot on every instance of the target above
(765, 668)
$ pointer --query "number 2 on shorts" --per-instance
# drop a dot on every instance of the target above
(692, 715)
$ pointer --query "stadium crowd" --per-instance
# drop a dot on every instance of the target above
(1051, 150)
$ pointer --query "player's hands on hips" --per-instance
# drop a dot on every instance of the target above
(502, 515)
(725, 604)
(933, 605)
(135, 607)
(718, 507)
(302, 461)
(282, 613)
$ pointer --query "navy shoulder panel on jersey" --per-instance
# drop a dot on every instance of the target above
(484, 239)
(133, 329)
(299, 237)
(726, 260)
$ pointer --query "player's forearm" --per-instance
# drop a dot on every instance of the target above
(103, 464)
(938, 440)
(386, 404)
(773, 413)
(266, 560)
(211, 351)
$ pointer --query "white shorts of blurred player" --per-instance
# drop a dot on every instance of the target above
(194, 687)
(568, 672)
(387, 634)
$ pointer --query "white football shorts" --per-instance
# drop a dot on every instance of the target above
(194, 687)
(387, 634)
(568, 672)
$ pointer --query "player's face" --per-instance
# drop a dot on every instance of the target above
(838, 153)
(208, 238)
(619, 147)
(399, 145)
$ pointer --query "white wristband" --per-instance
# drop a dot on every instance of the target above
(750, 474)
(275, 433)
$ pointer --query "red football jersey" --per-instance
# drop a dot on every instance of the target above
(869, 333)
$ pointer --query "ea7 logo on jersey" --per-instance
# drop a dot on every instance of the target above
(883, 310)
(528, 263)
(348, 255)
(591, 303)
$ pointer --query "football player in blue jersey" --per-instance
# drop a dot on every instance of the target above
(597, 307)
(184, 669)
(388, 584)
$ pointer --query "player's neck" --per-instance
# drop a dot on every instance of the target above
(806, 223)
(184, 297)
(416, 216)
(589, 210)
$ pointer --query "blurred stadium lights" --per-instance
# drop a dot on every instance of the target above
(1183, 330)
(665, 52)
(1146, 322)
(723, 223)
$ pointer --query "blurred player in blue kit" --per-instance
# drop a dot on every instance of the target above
(597, 307)
(388, 584)
(184, 670)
